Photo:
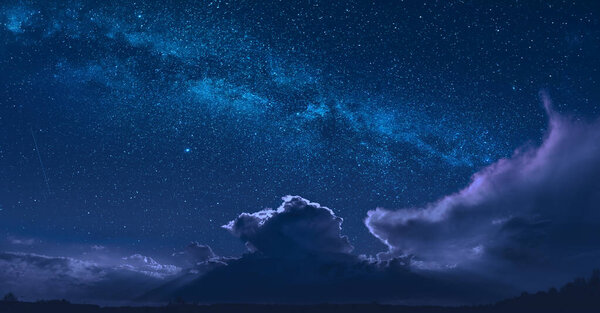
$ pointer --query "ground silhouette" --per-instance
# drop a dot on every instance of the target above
(581, 295)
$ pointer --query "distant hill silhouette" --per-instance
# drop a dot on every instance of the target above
(579, 296)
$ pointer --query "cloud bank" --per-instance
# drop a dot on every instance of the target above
(34, 277)
(539, 209)
(297, 254)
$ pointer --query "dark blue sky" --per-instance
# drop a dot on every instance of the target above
(157, 123)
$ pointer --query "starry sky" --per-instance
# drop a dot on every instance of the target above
(146, 125)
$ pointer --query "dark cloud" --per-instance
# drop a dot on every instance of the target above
(256, 278)
(298, 226)
(196, 260)
(327, 277)
(536, 211)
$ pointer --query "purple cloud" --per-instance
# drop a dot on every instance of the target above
(540, 207)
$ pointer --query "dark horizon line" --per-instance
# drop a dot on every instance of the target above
(579, 291)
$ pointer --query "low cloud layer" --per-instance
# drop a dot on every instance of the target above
(539, 209)
(298, 226)
(299, 255)
(33, 277)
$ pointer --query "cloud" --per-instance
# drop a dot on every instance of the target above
(148, 266)
(195, 253)
(538, 208)
(21, 241)
(298, 255)
(34, 276)
(305, 259)
(98, 247)
(298, 226)
(327, 277)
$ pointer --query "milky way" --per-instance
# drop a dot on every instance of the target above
(159, 123)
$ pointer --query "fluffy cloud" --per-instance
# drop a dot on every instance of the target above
(539, 208)
(298, 226)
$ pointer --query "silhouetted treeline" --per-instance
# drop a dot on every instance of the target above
(581, 296)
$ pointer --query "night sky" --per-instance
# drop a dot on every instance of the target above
(140, 127)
